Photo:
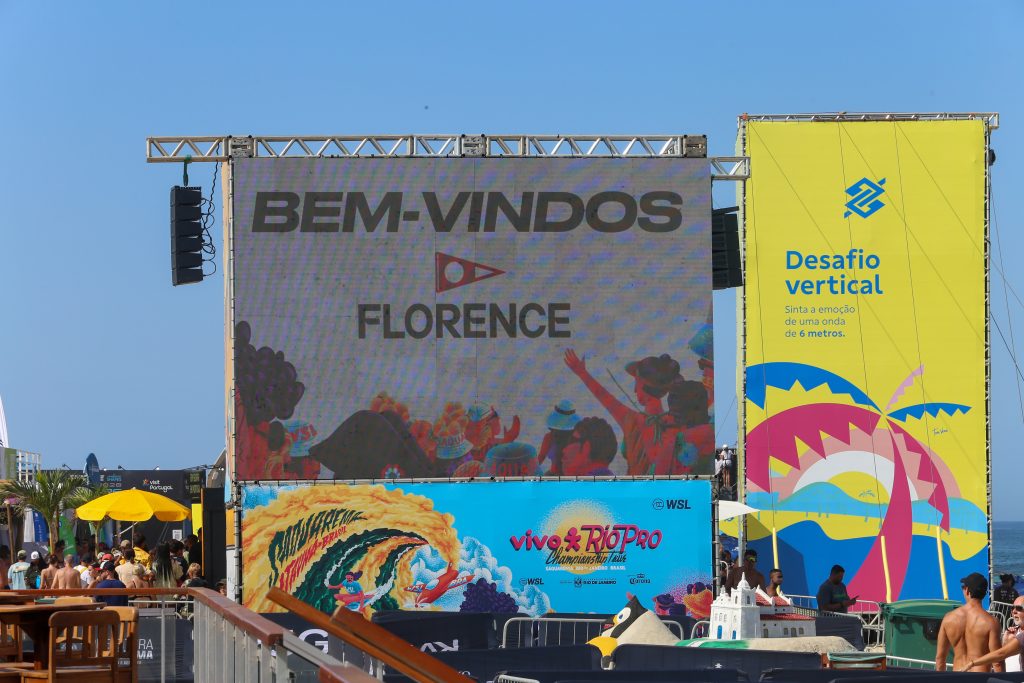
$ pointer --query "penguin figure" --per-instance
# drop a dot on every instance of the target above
(634, 623)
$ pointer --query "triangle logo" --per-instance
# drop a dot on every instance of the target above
(451, 272)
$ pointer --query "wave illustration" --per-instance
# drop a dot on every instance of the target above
(343, 556)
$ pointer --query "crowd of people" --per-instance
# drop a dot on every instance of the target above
(131, 564)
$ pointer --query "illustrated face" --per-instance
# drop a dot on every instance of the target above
(478, 434)
(576, 456)
(638, 390)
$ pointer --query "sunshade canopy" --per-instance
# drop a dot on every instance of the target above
(133, 505)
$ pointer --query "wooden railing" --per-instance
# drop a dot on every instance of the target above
(355, 630)
(232, 643)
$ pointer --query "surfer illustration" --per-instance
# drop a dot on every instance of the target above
(446, 582)
(350, 592)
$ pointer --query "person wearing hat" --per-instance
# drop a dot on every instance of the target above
(747, 570)
(969, 630)
(650, 434)
(452, 451)
(108, 579)
(560, 423)
(17, 575)
(832, 595)
(1005, 591)
(35, 569)
(511, 460)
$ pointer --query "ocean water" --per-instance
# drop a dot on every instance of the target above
(1008, 548)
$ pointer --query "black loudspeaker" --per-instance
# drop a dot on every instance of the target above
(215, 565)
(186, 235)
(726, 268)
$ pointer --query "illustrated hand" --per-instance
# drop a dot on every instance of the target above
(512, 433)
(575, 363)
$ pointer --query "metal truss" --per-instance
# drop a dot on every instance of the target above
(991, 118)
(195, 149)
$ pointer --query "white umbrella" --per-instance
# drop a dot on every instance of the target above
(727, 509)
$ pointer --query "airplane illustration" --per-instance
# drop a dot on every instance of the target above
(446, 582)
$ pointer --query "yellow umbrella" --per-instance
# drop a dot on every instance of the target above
(133, 505)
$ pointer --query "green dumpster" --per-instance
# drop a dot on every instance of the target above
(912, 627)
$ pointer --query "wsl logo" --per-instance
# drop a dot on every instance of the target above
(865, 195)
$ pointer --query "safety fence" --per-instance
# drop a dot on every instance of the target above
(547, 631)
(868, 612)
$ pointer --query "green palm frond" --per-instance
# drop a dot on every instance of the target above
(50, 494)
(85, 494)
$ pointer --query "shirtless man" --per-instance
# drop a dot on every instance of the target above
(47, 575)
(969, 630)
(1012, 645)
(68, 577)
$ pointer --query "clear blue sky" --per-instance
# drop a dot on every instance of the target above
(99, 353)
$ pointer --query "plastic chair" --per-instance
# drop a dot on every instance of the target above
(95, 661)
(127, 643)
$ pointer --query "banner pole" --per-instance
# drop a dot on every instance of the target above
(885, 568)
(942, 563)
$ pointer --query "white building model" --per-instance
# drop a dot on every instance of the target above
(751, 613)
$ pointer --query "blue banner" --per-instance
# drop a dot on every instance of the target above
(529, 547)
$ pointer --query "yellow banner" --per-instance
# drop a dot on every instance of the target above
(866, 414)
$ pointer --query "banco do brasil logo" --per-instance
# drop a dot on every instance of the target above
(865, 197)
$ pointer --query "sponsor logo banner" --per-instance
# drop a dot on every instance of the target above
(526, 547)
(170, 483)
(458, 318)
(865, 352)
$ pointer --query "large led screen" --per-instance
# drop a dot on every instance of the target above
(489, 317)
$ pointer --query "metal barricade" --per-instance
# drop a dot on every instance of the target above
(1002, 611)
(909, 663)
(702, 629)
(542, 631)
(868, 611)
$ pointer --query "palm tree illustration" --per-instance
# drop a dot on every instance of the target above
(777, 437)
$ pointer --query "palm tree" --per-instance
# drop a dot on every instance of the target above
(85, 494)
(50, 495)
